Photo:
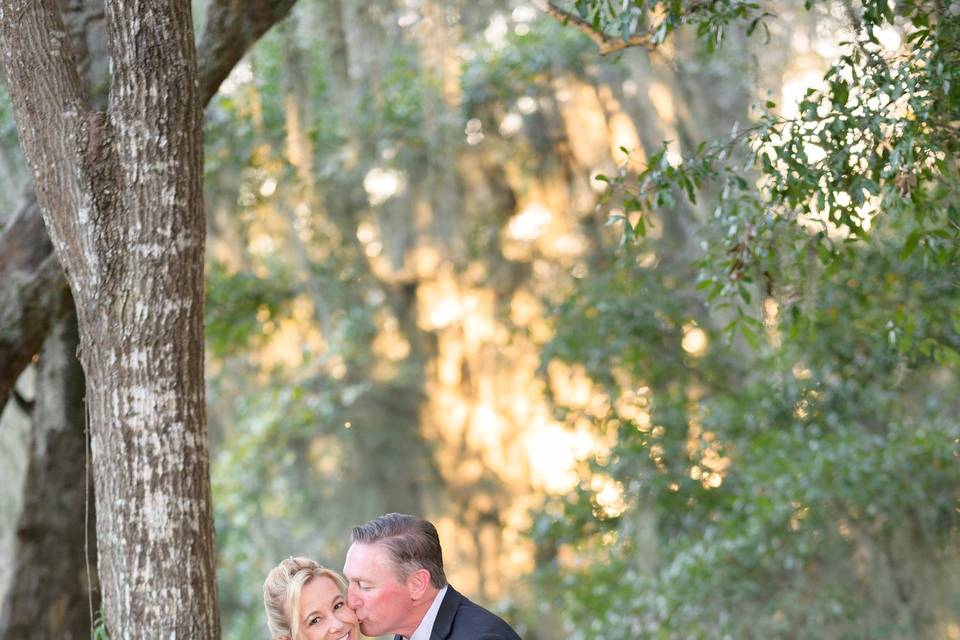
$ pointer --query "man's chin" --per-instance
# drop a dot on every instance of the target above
(367, 630)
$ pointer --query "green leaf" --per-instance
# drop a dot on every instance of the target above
(641, 227)
(911, 244)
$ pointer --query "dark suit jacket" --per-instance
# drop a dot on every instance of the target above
(461, 619)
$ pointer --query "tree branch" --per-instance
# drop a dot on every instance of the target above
(33, 295)
(231, 28)
(38, 63)
(605, 43)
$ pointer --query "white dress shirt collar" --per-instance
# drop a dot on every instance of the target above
(425, 629)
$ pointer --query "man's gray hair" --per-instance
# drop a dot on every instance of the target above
(412, 544)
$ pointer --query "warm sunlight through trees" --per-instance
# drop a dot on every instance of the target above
(652, 307)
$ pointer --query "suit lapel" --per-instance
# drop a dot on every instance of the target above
(446, 614)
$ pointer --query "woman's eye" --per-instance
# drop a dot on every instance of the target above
(337, 606)
(314, 620)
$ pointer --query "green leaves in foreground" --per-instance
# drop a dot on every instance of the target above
(872, 152)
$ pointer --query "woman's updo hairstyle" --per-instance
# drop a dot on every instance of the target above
(281, 594)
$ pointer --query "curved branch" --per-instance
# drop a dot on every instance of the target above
(231, 28)
(33, 295)
(39, 63)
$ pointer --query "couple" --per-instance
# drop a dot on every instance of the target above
(394, 584)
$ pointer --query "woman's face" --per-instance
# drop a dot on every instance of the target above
(324, 614)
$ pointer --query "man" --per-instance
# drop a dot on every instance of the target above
(397, 585)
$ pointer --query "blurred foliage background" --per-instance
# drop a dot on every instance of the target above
(664, 341)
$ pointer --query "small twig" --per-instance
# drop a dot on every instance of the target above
(605, 43)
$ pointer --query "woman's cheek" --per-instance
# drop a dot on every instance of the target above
(347, 616)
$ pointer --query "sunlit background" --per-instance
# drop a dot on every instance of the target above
(415, 303)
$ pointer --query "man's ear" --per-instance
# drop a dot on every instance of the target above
(418, 583)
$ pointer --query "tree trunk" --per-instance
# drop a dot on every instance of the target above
(149, 426)
(31, 279)
(121, 195)
(143, 338)
(48, 596)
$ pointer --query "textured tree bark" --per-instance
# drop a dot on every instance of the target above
(34, 296)
(29, 282)
(50, 548)
(49, 593)
(121, 195)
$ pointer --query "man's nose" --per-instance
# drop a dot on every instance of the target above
(353, 600)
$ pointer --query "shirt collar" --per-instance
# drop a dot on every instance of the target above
(425, 629)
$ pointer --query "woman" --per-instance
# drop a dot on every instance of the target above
(305, 601)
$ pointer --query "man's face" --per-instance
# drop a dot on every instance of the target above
(383, 604)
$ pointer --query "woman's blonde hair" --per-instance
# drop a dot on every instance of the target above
(281, 594)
